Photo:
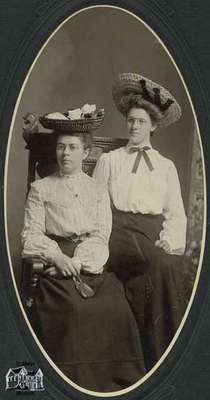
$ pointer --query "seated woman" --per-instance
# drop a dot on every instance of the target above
(94, 340)
(149, 222)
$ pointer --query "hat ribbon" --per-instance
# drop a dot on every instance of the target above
(156, 99)
(141, 152)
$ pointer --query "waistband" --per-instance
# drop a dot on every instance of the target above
(147, 224)
(139, 215)
(68, 244)
(74, 238)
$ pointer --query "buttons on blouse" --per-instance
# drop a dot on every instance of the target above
(72, 186)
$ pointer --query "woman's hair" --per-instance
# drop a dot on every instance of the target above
(136, 100)
(85, 137)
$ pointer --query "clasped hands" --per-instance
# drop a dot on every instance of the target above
(64, 266)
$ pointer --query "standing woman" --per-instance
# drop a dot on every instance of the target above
(94, 341)
(149, 222)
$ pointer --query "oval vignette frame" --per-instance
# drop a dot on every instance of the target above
(21, 94)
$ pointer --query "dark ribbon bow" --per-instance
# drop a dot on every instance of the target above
(141, 151)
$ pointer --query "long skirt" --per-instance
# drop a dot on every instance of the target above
(94, 341)
(152, 279)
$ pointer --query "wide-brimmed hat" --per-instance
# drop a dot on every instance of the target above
(86, 119)
(132, 83)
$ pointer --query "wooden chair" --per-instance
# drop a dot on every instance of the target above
(42, 162)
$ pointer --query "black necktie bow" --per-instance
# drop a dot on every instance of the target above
(141, 152)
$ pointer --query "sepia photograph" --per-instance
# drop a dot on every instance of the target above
(105, 164)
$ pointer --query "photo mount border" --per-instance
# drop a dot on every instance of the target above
(5, 175)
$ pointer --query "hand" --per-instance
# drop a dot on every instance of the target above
(163, 244)
(67, 266)
(51, 271)
(76, 264)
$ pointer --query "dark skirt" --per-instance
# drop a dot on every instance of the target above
(95, 341)
(153, 280)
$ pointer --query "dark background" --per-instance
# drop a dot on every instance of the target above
(184, 27)
(78, 66)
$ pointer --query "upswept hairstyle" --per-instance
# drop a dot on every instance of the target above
(85, 137)
(137, 101)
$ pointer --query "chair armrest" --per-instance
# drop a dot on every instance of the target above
(31, 268)
(35, 263)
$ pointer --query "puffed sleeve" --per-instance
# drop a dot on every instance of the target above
(93, 252)
(34, 240)
(102, 169)
(174, 226)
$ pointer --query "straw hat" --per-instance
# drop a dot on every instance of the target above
(84, 119)
(132, 83)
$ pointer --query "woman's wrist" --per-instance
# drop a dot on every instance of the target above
(53, 255)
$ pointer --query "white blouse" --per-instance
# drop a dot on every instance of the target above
(64, 205)
(148, 192)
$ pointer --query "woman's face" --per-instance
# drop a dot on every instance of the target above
(70, 153)
(139, 126)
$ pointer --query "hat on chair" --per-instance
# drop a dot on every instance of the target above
(135, 84)
(84, 119)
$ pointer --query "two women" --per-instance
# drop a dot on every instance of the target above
(95, 340)
(68, 224)
(149, 222)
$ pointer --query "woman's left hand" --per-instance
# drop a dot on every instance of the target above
(163, 244)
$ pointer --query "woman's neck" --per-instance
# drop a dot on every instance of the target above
(140, 144)
(70, 173)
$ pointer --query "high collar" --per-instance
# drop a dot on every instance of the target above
(71, 177)
(130, 145)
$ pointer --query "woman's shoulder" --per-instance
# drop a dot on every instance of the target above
(94, 184)
(112, 154)
(47, 179)
(92, 181)
(167, 162)
(116, 152)
(44, 183)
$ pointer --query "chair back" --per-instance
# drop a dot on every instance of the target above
(42, 157)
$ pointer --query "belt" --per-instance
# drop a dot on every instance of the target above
(74, 238)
